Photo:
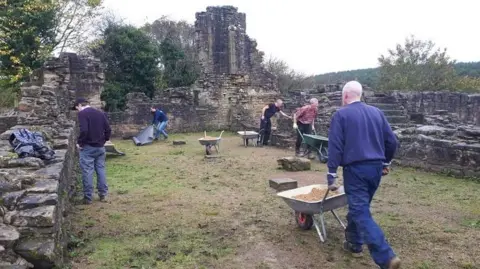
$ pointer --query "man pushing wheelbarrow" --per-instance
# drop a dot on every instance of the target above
(304, 121)
(362, 142)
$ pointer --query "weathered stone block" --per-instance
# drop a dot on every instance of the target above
(35, 200)
(28, 162)
(44, 186)
(8, 235)
(294, 163)
(179, 142)
(35, 217)
(38, 251)
(283, 184)
(10, 199)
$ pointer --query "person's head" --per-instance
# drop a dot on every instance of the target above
(80, 104)
(279, 103)
(351, 92)
(314, 102)
(153, 109)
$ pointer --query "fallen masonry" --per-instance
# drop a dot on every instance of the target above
(294, 163)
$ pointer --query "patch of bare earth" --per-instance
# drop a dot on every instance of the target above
(171, 208)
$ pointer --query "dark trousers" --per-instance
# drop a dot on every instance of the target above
(304, 129)
(361, 181)
(266, 126)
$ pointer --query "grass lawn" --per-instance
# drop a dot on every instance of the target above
(171, 208)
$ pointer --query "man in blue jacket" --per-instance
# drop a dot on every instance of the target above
(362, 142)
(159, 122)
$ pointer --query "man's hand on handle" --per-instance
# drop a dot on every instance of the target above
(295, 126)
(263, 117)
(332, 181)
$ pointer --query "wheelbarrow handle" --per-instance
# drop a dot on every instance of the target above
(325, 197)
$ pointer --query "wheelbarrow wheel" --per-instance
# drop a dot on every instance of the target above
(304, 221)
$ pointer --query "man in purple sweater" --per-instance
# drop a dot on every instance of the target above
(94, 132)
(362, 142)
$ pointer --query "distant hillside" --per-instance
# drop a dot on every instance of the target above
(369, 76)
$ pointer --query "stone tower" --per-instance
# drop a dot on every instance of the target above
(224, 48)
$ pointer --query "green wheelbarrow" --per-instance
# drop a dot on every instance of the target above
(317, 143)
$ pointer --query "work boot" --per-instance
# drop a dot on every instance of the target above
(298, 153)
(394, 263)
(86, 201)
(103, 199)
(356, 253)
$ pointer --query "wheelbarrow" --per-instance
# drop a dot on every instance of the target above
(210, 142)
(308, 214)
(249, 135)
(318, 143)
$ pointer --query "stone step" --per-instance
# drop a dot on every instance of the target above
(384, 106)
(381, 99)
(394, 112)
(397, 119)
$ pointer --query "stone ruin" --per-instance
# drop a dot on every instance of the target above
(35, 195)
(232, 88)
(437, 131)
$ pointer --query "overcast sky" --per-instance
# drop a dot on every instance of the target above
(315, 36)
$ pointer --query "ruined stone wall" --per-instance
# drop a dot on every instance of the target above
(434, 148)
(35, 194)
(192, 109)
(446, 138)
(466, 106)
(230, 93)
(6, 122)
(86, 78)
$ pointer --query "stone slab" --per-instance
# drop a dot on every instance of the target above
(179, 142)
(35, 217)
(38, 251)
(294, 163)
(8, 235)
(283, 184)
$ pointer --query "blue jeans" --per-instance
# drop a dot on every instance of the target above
(92, 159)
(160, 129)
(361, 181)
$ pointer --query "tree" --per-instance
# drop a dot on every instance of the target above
(416, 66)
(178, 71)
(131, 61)
(27, 36)
(288, 79)
(75, 20)
(180, 33)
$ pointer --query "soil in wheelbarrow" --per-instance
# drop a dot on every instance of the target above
(315, 194)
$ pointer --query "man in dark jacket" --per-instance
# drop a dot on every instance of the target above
(94, 132)
(268, 112)
(159, 122)
(362, 142)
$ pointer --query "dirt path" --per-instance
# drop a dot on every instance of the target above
(169, 208)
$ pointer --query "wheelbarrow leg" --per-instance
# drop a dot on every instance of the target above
(338, 219)
(315, 223)
(322, 222)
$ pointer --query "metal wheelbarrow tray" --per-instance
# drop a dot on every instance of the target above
(307, 213)
(317, 142)
(210, 142)
(247, 135)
